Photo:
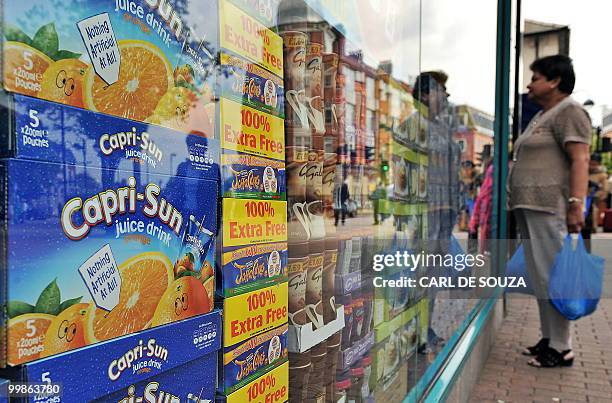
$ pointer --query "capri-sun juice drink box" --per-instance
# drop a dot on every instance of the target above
(171, 363)
(92, 254)
(52, 132)
(146, 60)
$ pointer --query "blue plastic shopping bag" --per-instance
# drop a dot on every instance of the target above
(576, 280)
(517, 268)
(589, 201)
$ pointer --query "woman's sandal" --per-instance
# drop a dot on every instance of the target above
(551, 358)
(535, 350)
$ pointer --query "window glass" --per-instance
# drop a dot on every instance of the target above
(407, 111)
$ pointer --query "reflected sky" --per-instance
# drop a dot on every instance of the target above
(588, 39)
(457, 37)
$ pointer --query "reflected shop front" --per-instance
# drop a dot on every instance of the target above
(390, 124)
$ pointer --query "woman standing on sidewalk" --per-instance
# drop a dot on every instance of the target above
(547, 189)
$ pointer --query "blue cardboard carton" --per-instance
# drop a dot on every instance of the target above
(92, 254)
(4, 383)
(171, 363)
(187, 383)
(52, 132)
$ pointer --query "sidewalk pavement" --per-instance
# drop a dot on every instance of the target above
(506, 376)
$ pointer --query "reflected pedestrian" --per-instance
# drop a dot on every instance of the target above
(430, 90)
(599, 176)
(480, 221)
(376, 196)
(341, 197)
(597, 193)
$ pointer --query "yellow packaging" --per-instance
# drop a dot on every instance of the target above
(251, 131)
(250, 314)
(269, 388)
(249, 222)
(247, 37)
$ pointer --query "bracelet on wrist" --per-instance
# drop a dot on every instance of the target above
(575, 200)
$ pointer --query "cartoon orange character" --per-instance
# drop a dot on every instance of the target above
(186, 297)
(63, 82)
(207, 271)
(66, 331)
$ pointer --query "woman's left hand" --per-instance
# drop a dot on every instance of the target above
(575, 218)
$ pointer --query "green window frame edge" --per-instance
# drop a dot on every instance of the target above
(439, 378)
(450, 361)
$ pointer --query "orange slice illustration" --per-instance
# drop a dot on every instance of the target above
(145, 75)
(144, 279)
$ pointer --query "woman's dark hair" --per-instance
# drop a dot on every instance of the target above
(557, 66)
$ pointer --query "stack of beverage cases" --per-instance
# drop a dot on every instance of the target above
(311, 174)
(185, 209)
(110, 175)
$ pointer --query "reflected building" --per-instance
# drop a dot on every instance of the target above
(474, 132)
(540, 39)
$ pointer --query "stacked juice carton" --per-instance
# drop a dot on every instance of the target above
(252, 254)
(110, 173)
